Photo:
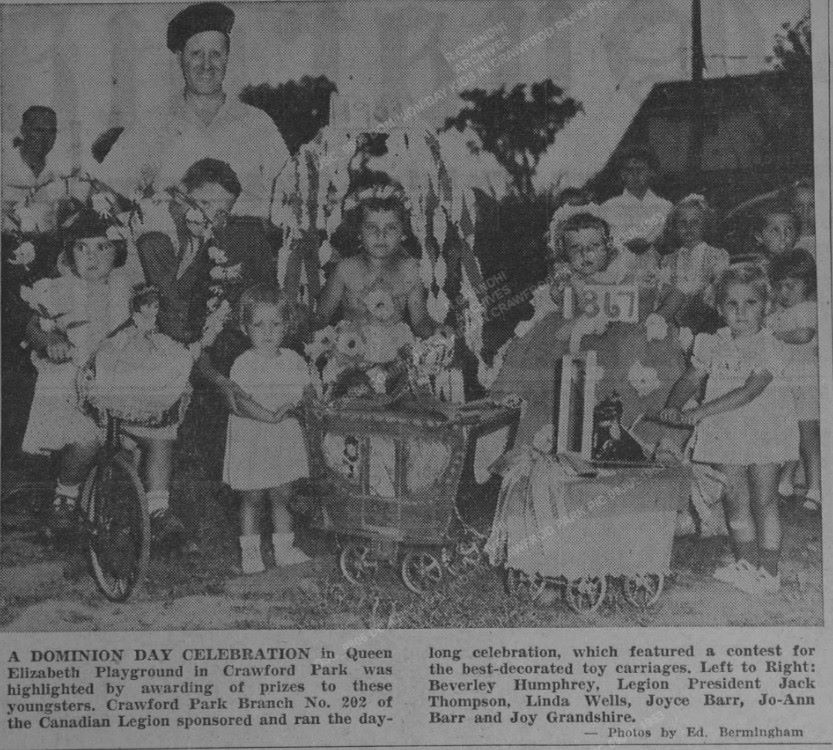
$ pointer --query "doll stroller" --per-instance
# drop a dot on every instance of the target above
(391, 484)
(591, 512)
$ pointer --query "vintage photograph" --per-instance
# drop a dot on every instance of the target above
(410, 314)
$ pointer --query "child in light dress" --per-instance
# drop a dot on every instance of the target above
(690, 269)
(746, 425)
(265, 448)
(795, 321)
(75, 313)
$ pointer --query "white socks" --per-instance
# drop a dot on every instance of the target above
(285, 553)
(251, 560)
(158, 500)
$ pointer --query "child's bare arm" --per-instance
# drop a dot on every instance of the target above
(796, 336)
(53, 344)
(330, 298)
(748, 392)
(685, 388)
(420, 320)
(233, 394)
(251, 409)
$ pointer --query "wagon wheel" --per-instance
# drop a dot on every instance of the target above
(421, 571)
(464, 557)
(586, 594)
(522, 585)
(357, 564)
(643, 590)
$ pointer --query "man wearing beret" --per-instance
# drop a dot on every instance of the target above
(204, 121)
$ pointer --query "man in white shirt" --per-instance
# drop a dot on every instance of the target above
(34, 169)
(638, 215)
(204, 122)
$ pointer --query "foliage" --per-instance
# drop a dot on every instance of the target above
(299, 108)
(785, 114)
(516, 128)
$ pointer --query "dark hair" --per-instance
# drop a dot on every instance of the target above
(143, 294)
(643, 153)
(88, 224)
(794, 264)
(212, 171)
(38, 109)
(763, 214)
(750, 274)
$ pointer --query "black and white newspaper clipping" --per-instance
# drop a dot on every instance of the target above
(416, 373)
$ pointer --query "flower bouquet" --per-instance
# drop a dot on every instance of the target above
(365, 362)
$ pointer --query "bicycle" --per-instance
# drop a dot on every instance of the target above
(115, 520)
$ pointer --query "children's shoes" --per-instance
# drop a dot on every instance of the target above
(738, 574)
(285, 552)
(251, 560)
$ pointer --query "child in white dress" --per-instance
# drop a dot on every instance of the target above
(75, 313)
(795, 322)
(265, 449)
(746, 426)
(690, 269)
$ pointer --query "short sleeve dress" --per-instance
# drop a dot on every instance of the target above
(261, 455)
(802, 369)
(761, 432)
(87, 312)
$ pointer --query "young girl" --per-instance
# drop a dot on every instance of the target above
(746, 425)
(775, 231)
(803, 203)
(691, 266)
(382, 274)
(265, 448)
(584, 255)
(75, 314)
(795, 321)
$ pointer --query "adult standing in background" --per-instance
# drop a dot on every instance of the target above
(637, 216)
(33, 168)
(204, 121)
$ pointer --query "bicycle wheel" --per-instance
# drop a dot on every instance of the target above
(117, 526)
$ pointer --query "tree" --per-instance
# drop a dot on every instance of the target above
(515, 127)
(299, 108)
(785, 112)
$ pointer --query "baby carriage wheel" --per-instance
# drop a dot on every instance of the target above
(117, 526)
(421, 571)
(522, 585)
(586, 594)
(357, 564)
(463, 557)
(643, 590)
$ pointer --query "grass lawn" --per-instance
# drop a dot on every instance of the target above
(46, 589)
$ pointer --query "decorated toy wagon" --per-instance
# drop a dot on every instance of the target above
(390, 483)
(394, 453)
(596, 509)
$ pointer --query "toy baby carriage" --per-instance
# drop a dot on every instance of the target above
(136, 385)
(390, 482)
(593, 510)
